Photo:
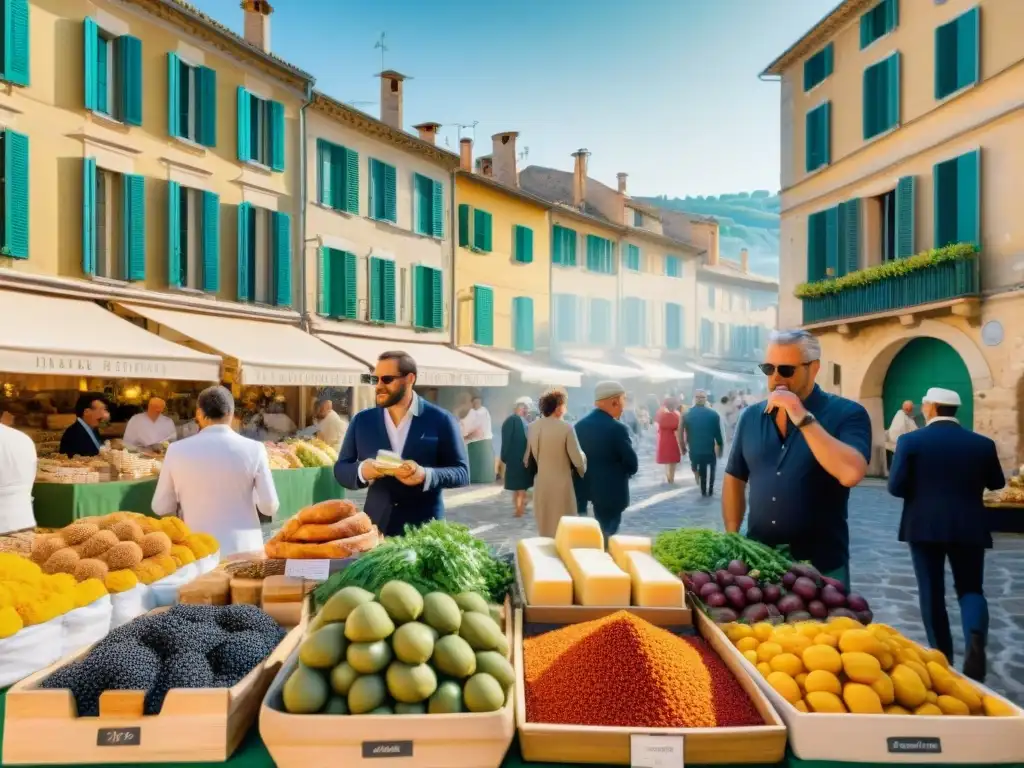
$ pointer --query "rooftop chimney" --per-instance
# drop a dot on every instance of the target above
(485, 165)
(504, 158)
(257, 23)
(466, 154)
(744, 260)
(391, 98)
(622, 182)
(579, 180)
(428, 132)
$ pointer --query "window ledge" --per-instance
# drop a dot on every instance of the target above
(108, 121)
(189, 146)
(111, 281)
(389, 224)
(190, 291)
(958, 92)
(253, 165)
(332, 209)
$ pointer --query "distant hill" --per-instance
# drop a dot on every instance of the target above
(747, 220)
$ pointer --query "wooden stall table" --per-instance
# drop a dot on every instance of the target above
(1006, 516)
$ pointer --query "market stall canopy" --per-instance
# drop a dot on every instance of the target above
(658, 372)
(57, 336)
(439, 365)
(603, 370)
(530, 371)
(723, 375)
(268, 354)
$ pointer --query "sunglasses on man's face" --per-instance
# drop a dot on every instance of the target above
(785, 371)
(369, 378)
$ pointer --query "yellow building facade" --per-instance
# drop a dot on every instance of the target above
(901, 137)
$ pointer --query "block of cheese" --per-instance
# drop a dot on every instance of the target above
(546, 580)
(577, 533)
(654, 585)
(596, 579)
(619, 545)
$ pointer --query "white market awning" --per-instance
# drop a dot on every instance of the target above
(268, 354)
(530, 371)
(723, 375)
(658, 372)
(439, 365)
(602, 369)
(57, 336)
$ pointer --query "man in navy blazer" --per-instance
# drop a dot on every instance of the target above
(425, 436)
(941, 472)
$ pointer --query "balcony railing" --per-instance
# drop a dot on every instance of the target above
(942, 282)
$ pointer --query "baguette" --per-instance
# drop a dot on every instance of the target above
(343, 529)
(327, 512)
(326, 550)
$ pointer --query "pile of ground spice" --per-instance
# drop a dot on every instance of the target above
(623, 671)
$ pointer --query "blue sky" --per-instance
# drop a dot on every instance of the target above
(665, 90)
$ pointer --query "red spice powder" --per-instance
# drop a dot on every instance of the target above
(733, 707)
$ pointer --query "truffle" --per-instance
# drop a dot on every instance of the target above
(128, 530)
(62, 561)
(96, 545)
(90, 568)
(154, 544)
(125, 554)
(78, 532)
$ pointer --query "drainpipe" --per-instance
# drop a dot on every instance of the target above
(453, 237)
(303, 201)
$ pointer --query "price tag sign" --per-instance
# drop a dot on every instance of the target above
(914, 745)
(314, 570)
(373, 749)
(655, 751)
(119, 737)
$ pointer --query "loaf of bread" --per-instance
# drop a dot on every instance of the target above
(343, 529)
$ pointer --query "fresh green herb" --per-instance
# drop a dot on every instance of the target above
(699, 549)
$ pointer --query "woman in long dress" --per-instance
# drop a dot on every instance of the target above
(668, 452)
(552, 445)
(513, 445)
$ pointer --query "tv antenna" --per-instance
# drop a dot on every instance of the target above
(472, 125)
(358, 104)
(383, 48)
(524, 153)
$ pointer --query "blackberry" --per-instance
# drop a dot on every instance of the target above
(62, 677)
(239, 654)
(174, 635)
(199, 614)
(242, 617)
(135, 629)
(183, 670)
(124, 666)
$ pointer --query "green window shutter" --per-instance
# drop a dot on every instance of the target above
(211, 242)
(420, 288)
(557, 245)
(905, 217)
(945, 59)
(968, 200)
(870, 106)
(90, 68)
(816, 249)
(483, 316)
(351, 274)
(818, 138)
(850, 234)
(832, 231)
(173, 94)
(673, 326)
(482, 240)
(436, 299)
(376, 188)
(89, 215)
(244, 125)
(591, 257)
(245, 215)
(16, 161)
(350, 167)
(128, 58)
(523, 244)
(422, 192)
(206, 99)
(879, 21)
(571, 240)
(325, 283)
(633, 257)
(522, 313)
(324, 173)
(16, 42)
(967, 47)
(282, 229)
(673, 266)
(174, 234)
(376, 289)
(277, 136)
(134, 226)
(945, 189)
(818, 67)
(892, 92)
(390, 299)
(437, 209)
(464, 216)
(390, 193)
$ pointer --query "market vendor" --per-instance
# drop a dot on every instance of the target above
(800, 453)
(330, 427)
(426, 437)
(150, 428)
(83, 437)
(17, 474)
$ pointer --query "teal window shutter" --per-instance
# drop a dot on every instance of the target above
(325, 284)
(879, 21)
(350, 167)
(632, 257)
(173, 95)
(437, 209)
(968, 202)
(15, 218)
(390, 299)
(422, 190)
(338, 283)
(128, 52)
(818, 67)
(324, 173)
(376, 289)
(282, 229)
(245, 246)
(390, 193)
(211, 242)
(277, 136)
(350, 266)
(832, 242)
(882, 96)
(892, 91)
(420, 292)
(850, 234)
(817, 259)
(523, 244)
(818, 134)
(174, 234)
(383, 191)
(482, 230)
(483, 316)
(673, 326)
(557, 245)
(244, 125)
(134, 226)
(16, 42)
(206, 100)
(905, 217)
(90, 66)
(956, 53)
(522, 313)
(673, 266)
(464, 219)
(436, 298)
(89, 215)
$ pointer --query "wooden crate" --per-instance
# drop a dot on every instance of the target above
(574, 614)
(465, 740)
(549, 743)
(849, 738)
(194, 725)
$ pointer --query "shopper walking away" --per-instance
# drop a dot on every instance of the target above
(667, 451)
(17, 476)
(476, 431)
(513, 447)
(552, 454)
(611, 459)
(800, 454)
(940, 472)
(704, 439)
(425, 436)
(902, 424)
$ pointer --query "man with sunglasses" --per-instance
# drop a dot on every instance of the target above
(426, 437)
(800, 454)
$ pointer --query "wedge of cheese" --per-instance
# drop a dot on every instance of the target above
(596, 579)
(619, 545)
(654, 585)
(546, 580)
(577, 533)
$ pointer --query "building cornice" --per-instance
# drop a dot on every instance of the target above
(818, 35)
(706, 273)
(497, 186)
(376, 129)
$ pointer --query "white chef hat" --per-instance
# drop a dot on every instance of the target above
(525, 400)
(940, 396)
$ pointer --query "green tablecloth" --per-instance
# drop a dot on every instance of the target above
(57, 505)
(481, 462)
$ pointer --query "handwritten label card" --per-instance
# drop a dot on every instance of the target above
(314, 570)
(119, 737)
(655, 751)
(372, 749)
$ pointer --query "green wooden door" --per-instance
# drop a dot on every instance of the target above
(925, 362)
